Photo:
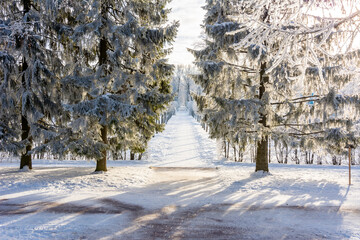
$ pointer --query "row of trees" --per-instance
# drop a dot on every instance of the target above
(284, 154)
(275, 69)
(83, 77)
(183, 85)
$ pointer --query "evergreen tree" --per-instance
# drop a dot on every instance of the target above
(151, 49)
(274, 69)
(120, 81)
(30, 102)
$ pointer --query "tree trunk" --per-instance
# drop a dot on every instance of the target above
(132, 156)
(312, 158)
(103, 47)
(234, 153)
(241, 154)
(228, 150)
(262, 145)
(25, 158)
(334, 160)
(297, 161)
(262, 155)
(278, 153)
(101, 163)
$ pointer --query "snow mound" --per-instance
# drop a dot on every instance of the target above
(25, 169)
(260, 174)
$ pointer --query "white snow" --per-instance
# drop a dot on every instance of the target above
(183, 144)
(65, 200)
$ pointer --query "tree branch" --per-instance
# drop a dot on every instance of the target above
(243, 68)
(295, 100)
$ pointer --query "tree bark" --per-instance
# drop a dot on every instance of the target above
(234, 153)
(101, 163)
(262, 145)
(240, 156)
(262, 155)
(312, 158)
(297, 160)
(25, 158)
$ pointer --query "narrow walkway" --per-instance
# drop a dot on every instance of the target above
(183, 143)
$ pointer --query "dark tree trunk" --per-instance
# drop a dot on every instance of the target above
(334, 160)
(25, 158)
(262, 145)
(26, 5)
(227, 150)
(132, 156)
(297, 161)
(262, 155)
(234, 153)
(241, 155)
(101, 163)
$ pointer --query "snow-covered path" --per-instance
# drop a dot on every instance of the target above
(65, 200)
(183, 144)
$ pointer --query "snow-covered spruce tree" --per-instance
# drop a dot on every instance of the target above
(222, 81)
(275, 68)
(29, 96)
(120, 81)
(151, 43)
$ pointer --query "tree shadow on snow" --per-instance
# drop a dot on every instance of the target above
(190, 206)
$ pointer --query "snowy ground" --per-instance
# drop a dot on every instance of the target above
(65, 200)
(183, 144)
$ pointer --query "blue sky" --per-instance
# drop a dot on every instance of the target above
(190, 14)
